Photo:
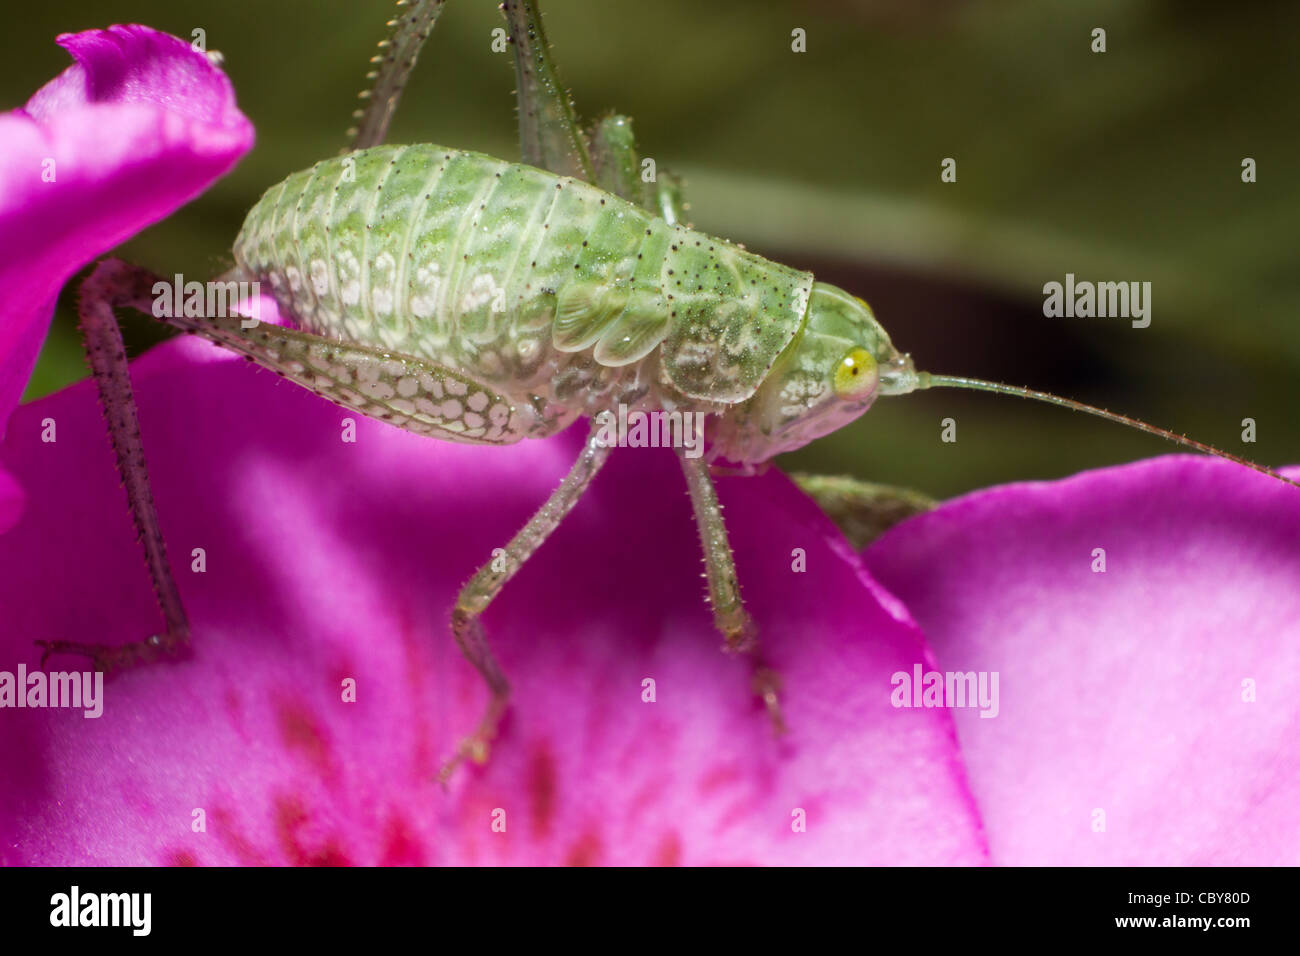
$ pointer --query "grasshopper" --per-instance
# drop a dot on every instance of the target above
(475, 300)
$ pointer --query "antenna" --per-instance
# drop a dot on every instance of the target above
(926, 380)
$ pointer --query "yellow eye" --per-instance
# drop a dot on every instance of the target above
(856, 376)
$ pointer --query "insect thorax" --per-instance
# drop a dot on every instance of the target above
(538, 284)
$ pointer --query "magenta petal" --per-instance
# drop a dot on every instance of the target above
(138, 126)
(11, 500)
(329, 560)
(1123, 692)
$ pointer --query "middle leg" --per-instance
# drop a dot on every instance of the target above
(476, 595)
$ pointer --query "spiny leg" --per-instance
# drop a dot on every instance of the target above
(617, 165)
(729, 613)
(410, 29)
(549, 134)
(475, 597)
(112, 284)
(618, 170)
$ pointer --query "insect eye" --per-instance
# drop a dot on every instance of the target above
(856, 374)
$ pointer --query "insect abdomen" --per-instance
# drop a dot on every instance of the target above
(515, 275)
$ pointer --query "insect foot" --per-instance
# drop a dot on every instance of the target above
(475, 748)
(109, 658)
(739, 634)
(767, 684)
(468, 631)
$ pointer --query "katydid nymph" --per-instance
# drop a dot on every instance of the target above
(481, 301)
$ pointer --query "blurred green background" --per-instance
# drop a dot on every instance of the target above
(1117, 166)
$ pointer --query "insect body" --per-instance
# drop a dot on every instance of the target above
(560, 295)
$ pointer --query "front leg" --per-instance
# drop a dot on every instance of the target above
(475, 596)
(729, 613)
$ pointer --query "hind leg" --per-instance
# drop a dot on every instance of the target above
(111, 285)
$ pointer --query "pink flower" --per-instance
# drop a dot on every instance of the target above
(329, 561)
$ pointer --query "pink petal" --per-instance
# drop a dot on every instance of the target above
(1122, 692)
(328, 560)
(138, 126)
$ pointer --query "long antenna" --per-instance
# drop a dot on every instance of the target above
(927, 380)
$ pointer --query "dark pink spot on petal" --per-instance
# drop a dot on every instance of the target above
(401, 846)
(717, 777)
(541, 789)
(669, 851)
(585, 851)
(234, 710)
(302, 732)
(243, 848)
(290, 819)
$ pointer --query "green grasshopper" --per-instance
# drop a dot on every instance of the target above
(474, 300)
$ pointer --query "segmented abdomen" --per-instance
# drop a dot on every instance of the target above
(516, 276)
